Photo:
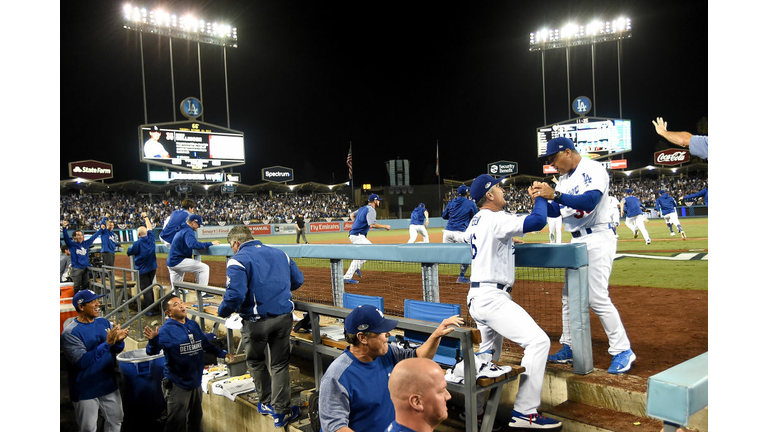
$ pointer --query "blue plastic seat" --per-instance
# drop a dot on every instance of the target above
(449, 349)
(352, 301)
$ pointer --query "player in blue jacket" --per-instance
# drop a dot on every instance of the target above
(90, 345)
(176, 221)
(184, 345)
(702, 193)
(145, 259)
(458, 213)
(419, 224)
(109, 241)
(78, 251)
(362, 220)
(665, 204)
(635, 220)
(260, 280)
(180, 259)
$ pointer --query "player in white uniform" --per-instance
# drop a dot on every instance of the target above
(615, 207)
(490, 235)
(153, 148)
(581, 197)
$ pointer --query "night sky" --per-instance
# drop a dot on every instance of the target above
(392, 78)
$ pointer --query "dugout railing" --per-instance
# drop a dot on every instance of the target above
(571, 258)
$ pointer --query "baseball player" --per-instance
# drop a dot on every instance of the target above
(152, 147)
(458, 213)
(615, 207)
(635, 220)
(581, 197)
(419, 224)
(666, 205)
(490, 234)
(176, 221)
(362, 220)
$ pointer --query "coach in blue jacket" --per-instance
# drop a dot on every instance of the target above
(259, 284)
(184, 345)
(145, 259)
(180, 259)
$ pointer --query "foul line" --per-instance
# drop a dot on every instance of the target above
(676, 257)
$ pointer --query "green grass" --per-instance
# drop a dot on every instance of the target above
(629, 271)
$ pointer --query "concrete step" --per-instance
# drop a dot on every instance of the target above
(579, 417)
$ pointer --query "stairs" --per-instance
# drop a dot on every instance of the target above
(601, 401)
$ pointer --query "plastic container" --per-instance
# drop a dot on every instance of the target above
(142, 384)
(66, 311)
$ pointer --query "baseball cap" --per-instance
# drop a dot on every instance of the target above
(661, 191)
(422, 205)
(372, 197)
(628, 191)
(482, 184)
(195, 217)
(368, 318)
(84, 296)
(155, 129)
(463, 190)
(556, 145)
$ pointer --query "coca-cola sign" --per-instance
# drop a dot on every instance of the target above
(671, 157)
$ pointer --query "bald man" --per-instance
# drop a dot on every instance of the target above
(145, 261)
(418, 390)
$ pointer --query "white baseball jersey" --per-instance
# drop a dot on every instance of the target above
(613, 204)
(588, 175)
(493, 251)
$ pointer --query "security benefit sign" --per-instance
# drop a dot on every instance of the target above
(91, 170)
(502, 168)
(277, 174)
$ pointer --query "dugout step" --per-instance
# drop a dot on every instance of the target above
(579, 417)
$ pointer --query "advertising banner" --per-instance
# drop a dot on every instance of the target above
(320, 227)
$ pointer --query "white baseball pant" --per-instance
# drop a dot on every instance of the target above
(671, 218)
(555, 229)
(498, 317)
(415, 230)
(601, 251)
(637, 223)
(188, 265)
(356, 264)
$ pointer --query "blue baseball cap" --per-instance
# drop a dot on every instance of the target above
(84, 296)
(628, 191)
(368, 318)
(422, 205)
(557, 145)
(196, 218)
(463, 190)
(482, 184)
(372, 197)
(661, 191)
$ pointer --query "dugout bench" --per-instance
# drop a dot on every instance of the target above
(321, 345)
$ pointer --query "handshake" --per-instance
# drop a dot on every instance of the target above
(541, 189)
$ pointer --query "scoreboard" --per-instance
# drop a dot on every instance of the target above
(191, 146)
(593, 137)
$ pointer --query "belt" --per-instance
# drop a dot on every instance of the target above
(587, 231)
(498, 285)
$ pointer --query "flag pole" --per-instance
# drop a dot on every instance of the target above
(351, 175)
(437, 171)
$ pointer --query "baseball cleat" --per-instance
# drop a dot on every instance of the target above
(682, 234)
(462, 279)
(357, 272)
(565, 355)
(671, 234)
(635, 234)
(265, 409)
(622, 362)
(350, 281)
(532, 421)
(648, 241)
(281, 420)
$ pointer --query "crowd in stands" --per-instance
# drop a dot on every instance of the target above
(86, 210)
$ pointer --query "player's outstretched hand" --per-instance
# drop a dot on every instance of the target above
(149, 333)
(660, 125)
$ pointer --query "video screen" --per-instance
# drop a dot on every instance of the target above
(191, 146)
(593, 137)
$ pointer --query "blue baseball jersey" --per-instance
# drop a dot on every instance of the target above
(665, 204)
(143, 251)
(458, 213)
(364, 218)
(417, 216)
(632, 206)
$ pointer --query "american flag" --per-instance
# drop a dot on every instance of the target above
(349, 161)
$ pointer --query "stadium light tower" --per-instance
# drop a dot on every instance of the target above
(186, 27)
(573, 34)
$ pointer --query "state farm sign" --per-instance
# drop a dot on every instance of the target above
(91, 170)
(671, 157)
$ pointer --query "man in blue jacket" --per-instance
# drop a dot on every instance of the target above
(362, 221)
(145, 259)
(176, 221)
(90, 345)
(458, 213)
(109, 241)
(78, 251)
(180, 258)
(259, 284)
(184, 345)
(419, 224)
(665, 204)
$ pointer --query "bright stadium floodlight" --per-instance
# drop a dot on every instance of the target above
(573, 34)
(181, 27)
